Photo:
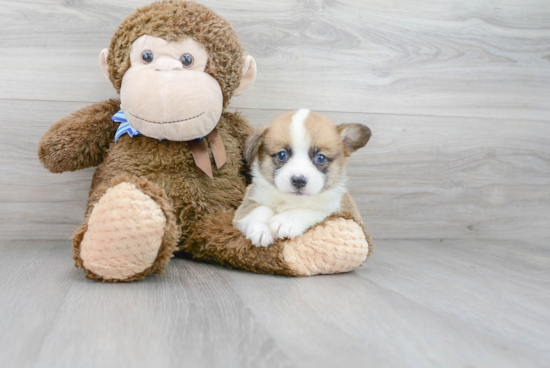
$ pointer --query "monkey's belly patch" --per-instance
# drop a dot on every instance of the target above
(125, 232)
(334, 247)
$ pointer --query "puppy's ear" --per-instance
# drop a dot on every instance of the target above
(253, 144)
(354, 136)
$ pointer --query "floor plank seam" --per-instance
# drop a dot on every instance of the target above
(317, 110)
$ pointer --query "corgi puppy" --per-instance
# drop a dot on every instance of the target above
(298, 175)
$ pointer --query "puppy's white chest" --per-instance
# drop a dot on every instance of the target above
(326, 202)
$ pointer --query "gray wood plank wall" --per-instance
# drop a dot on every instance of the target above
(457, 94)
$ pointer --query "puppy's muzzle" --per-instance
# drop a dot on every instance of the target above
(298, 182)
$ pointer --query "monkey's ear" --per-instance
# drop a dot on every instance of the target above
(249, 75)
(354, 136)
(253, 144)
(103, 62)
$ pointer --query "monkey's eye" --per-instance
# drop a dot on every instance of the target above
(282, 156)
(186, 60)
(320, 159)
(147, 56)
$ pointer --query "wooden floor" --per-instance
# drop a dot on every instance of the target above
(428, 303)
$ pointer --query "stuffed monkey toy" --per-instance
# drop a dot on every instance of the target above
(171, 166)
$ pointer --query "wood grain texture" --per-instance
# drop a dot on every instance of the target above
(416, 303)
(53, 317)
(455, 92)
(422, 303)
(418, 177)
(454, 58)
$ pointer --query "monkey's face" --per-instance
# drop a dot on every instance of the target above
(166, 94)
(176, 65)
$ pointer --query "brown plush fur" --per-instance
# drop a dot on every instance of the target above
(170, 165)
(171, 231)
(81, 139)
(214, 240)
(164, 170)
(175, 20)
(198, 209)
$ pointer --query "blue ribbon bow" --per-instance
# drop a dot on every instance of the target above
(124, 126)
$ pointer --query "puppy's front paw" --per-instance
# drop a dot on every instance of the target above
(284, 226)
(259, 235)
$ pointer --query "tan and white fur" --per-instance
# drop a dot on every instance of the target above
(299, 176)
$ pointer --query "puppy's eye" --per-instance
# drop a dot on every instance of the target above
(320, 159)
(186, 60)
(282, 156)
(147, 56)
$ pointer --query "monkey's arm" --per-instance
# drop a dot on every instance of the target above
(80, 140)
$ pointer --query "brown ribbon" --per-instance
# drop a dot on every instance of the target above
(200, 152)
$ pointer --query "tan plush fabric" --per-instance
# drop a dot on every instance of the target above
(145, 174)
(171, 231)
(338, 245)
(125, 231)
(175, 20)
(165, 100)
(249, 76)
(171, 167)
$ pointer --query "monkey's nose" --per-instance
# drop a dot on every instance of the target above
(298, 181)
(166, 65)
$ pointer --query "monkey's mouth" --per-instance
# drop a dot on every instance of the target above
(165, 122)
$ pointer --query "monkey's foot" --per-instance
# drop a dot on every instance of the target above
(124, 236)
(337, 245)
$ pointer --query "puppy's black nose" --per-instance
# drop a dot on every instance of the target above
(298, 181)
